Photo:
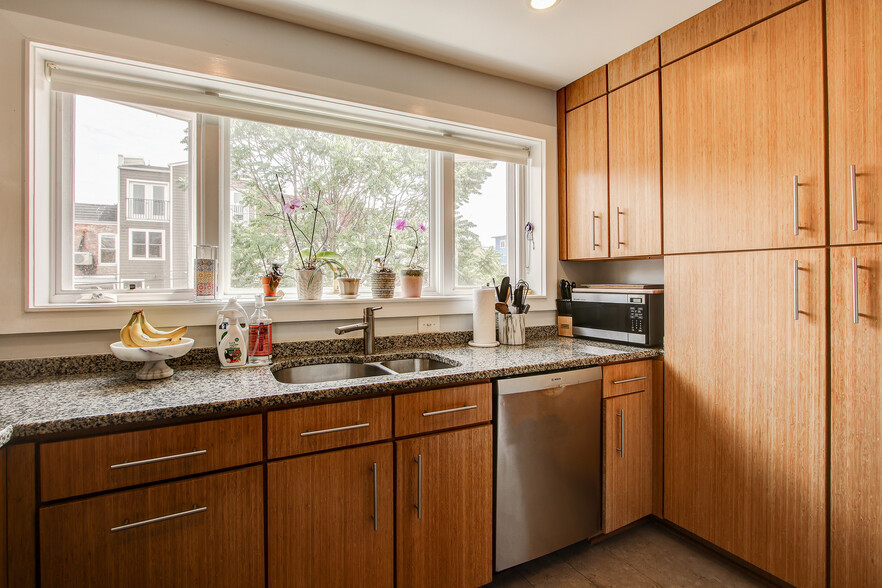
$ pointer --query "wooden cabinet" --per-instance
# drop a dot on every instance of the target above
(330, 519)
(587, 218)
(205, 531)
(856, 416)
(635, 169)
(2, 518)
(633, 64)
(434, 410)
(444, 497)
(854, 82)
(743, 136)
(627, 459)
(745, 438)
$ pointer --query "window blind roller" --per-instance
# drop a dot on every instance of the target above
(234, 100)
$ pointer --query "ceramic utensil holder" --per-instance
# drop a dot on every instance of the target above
(512, 328)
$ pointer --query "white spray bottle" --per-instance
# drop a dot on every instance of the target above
(232, 335)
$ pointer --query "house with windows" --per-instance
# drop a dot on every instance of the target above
(95, 247)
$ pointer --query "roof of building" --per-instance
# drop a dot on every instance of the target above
(101, 213)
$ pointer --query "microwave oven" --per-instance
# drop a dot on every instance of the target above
(633, 317)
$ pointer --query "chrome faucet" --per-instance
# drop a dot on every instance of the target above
(367, 325)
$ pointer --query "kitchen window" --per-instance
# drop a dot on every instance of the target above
(176, 152)
(107, 249)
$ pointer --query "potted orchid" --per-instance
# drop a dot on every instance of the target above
(412, 275)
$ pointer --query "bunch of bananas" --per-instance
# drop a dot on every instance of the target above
(139, 333)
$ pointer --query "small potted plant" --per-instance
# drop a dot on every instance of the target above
(412, 275)
(382, 279)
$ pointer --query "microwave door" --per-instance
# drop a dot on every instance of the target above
(602, 320)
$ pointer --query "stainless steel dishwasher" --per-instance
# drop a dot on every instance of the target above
(548, 446)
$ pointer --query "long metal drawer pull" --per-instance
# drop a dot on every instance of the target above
(854, 287)
(419, 504)
(619, 215)
(795, 205)
(375, 515)
(176, 515)
(335, 429)
(594, 217)
(854, 218)
(621, 451)
(131, 464)
(629, 380)
(449, 410)
(796, 289)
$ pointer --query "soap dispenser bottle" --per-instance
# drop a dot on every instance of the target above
(260, 338)
(232, 335)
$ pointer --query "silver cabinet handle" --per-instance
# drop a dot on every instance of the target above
(854, 218)
(854, 287)
(621, 450)
(619, 215)
(308, 433)
(796, 289)
(795, 205)
(594, 218)
(177, 515)
(131, 464)
(449, 410)
(419, 504)
(629, 380)
(375, 516)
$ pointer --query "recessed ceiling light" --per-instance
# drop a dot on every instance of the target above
(542, 4)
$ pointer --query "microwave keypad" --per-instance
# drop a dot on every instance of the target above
(636, 316)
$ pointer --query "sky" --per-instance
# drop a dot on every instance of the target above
(484, 209)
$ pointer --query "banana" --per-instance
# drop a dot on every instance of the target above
(134, 335)
(125, 333)
(152, 331)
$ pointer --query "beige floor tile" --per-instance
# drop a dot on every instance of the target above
(604, 569)
(510, 578)
(544, 569)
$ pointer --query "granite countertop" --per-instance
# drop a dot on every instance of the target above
(40, 405)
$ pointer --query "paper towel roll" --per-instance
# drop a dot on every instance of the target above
(484, 318)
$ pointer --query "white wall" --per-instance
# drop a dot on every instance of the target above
(205, 37)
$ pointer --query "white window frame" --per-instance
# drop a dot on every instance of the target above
(147, 233)
(115, 248)
(148, 201)
(272, 105)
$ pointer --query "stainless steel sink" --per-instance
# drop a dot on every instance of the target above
(328, 372)
(414, 364)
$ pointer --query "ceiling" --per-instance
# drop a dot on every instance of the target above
(548, 48)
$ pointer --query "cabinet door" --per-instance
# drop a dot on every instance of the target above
(635, 169)
(587, 185)
(627, 479)
(3, 572)
(444, 505)
(856, 417)
(743, 136)
(745, 406)
(854, 70)
(204, 531)
(330, 519)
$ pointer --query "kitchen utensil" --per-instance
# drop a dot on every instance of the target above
(502, 307)
(504, 287)
(566, 292)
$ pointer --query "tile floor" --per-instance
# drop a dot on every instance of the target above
(648, 555)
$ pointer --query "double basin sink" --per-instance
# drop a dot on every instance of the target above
(346, 370)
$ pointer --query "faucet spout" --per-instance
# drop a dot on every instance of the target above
(367, 326)
(350, 328)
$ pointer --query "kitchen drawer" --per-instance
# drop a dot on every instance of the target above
(327, 426)
(205, 531)
(106, 462)
(626, 378)
(433, 410)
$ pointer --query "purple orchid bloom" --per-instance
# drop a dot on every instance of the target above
(421, 227)
(293, 205)
(400, 224)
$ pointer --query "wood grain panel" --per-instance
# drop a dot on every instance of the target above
(562, 174)
(745, 437)
(856, 418)
(409, 409)
(587, 181)
(21, 515)
(635, 169)
(627, 378)
(627, 480)
(633, 64)
(658, 437)
(854, 70)
(3, 518)
(449, 541)
(82, 466)
(221, 546)
(586, 88)
(284, 428)
(320, 519)
(733, 143)
(714, 23)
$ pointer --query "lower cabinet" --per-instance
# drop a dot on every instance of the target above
(627, 456)
(330, 519)
(444, 509)
(205, 531)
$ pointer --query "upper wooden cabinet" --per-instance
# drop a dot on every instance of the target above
(743, 136)
(587, 219)
(633, 64)
(635, 169)
(854, 70)
(586, 88)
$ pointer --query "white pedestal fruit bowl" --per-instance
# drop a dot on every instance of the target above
(154, 358)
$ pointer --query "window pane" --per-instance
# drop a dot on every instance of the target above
(108, 248)
(131, 169)
(480, 221)
(360, 186)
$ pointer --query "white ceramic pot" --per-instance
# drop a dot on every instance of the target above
(309, 283)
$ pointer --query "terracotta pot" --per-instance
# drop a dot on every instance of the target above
(411, 282)
(309, 283)
(268, 290)
(383, 284)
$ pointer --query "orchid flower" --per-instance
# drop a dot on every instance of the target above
(400, 224)
(293, 205)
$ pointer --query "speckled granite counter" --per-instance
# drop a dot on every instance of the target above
(30, 407)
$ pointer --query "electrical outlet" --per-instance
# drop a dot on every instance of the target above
(428, 324)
